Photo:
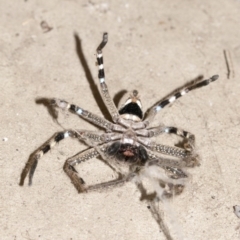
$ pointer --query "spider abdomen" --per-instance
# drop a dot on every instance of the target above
(129, 153)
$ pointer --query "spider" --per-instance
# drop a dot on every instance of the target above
(127, 143)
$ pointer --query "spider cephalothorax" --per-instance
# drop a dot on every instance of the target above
(128, 140)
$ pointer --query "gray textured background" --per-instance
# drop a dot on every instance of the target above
(155, 47)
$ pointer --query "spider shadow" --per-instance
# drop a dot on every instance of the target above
(47, 103)
(144, 195)
(94, 88)
(189, 83)
(53, 112)
(25, 169)
(152, 200)
(159, 218)
(117, 98)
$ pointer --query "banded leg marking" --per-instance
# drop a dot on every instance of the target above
(178, 94)
(190, 144)
(93, 118)
(31, 164)
(101, 74)
(103, 86)
(153, 132)
(173, 151)
(178, 132)
(191, 158)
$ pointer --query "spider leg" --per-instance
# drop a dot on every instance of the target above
(111, 184)
(187, 154)
(155, 131)
(151, 132)
(164, 149)
(93, 118)
(166, 101)
(103, 86)
(90, 137)
(31, 164)
(164, 162)
(72, 173)
(78, 182)
(189, 145)
(168, 150)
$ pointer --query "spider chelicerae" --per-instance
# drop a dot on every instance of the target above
(127, 143)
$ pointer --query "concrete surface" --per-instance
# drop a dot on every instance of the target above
(155, 47)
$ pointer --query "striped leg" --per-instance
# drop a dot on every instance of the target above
(93, 118)
(187, 155)
(101, 75)
(189, 145)
(178, 94)
(153, 132)
(90, 137)
(31, 165)
(191, 158)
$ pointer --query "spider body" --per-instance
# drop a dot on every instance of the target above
(128, 140)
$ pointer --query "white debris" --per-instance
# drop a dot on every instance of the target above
(5, 139)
